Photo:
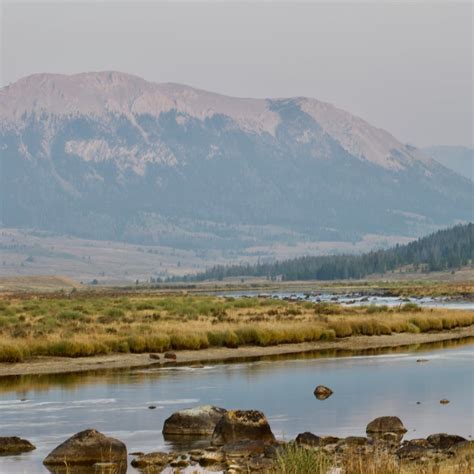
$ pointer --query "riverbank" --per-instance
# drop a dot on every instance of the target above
(57, 365)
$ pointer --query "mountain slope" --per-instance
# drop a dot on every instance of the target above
(112, 156)
(445, 249)
(460, 159)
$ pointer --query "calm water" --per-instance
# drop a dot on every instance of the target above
(365, 387)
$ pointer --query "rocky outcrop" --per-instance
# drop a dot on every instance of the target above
(386, 424)
(308, 439)
(444, 440)
(387, 429)
(200, 421)
(413, 452)
(11, 445)
(240, 425)
(321, 392)
(87, 448)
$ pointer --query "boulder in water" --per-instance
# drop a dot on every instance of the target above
(12, 445)
(321, 392)
(87, 448)
(199, 421)
(239, 425)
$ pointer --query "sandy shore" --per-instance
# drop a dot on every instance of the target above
(56, 365)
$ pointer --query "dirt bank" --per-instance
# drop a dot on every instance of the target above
(50, 365)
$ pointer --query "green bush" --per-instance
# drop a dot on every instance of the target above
(115, 313)
(411, 308)
(294, 459)
(70, 315)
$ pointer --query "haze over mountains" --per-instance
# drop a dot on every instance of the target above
(111, 156)
(457, 158)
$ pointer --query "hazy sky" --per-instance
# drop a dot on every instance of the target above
(406, 67)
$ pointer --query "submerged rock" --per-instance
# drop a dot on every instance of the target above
(245, 448)
(321, 392)
(239, 425)
(152, 459)
(11, 445)
(198, 421)
(211, 457)
(87, 448)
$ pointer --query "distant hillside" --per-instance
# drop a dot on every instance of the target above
(445, 249)
(460, 159)
(110, 156)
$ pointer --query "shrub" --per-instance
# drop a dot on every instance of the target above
(341, 328)
(327, 308)
(413, 328)
(136, 344)
(296, 459)
(190, 341)
(115, 313)
(411, 308)
(145, 305)
(158, 343)
(10, 352)
(70, 315)
(223, 338)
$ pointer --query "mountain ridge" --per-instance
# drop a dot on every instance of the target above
(157, 98)
(112, 156)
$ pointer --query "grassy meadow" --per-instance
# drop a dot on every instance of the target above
(87, 324)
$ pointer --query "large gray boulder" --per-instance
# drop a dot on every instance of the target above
(87, 448)
(240, 425)
(12, 445)
(199, 421)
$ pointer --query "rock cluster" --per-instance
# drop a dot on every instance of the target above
(240, 441)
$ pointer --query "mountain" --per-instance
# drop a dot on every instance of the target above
(443, 250)
(460, 159)
(111, 156)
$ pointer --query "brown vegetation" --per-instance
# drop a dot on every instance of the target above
(81, 324)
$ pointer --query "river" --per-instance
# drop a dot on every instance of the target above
(48, 409)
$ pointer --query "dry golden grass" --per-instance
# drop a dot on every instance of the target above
(294, 459)
(82, 324)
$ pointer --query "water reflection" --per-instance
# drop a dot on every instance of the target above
(366, 384)
(28, 385)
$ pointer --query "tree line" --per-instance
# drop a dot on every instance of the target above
(446, 249)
